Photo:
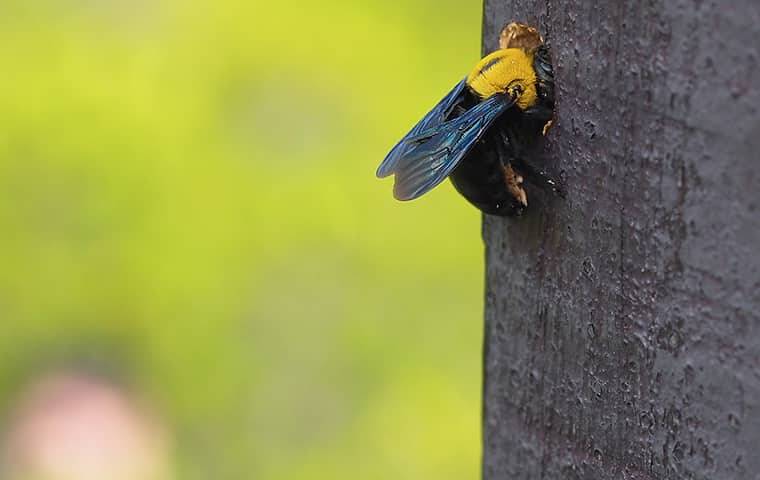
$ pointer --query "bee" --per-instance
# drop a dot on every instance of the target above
(479, 133)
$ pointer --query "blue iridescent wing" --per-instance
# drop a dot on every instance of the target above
(436, 116)
(427, 155)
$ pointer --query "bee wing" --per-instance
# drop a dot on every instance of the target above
(436, 116)
(426, 158)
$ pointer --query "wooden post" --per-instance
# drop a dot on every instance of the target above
(623, 323)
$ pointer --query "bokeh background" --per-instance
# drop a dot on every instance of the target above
(191, 232)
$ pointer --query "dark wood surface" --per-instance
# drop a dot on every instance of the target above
(622, 324)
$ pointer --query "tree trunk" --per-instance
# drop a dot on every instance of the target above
(622, 332)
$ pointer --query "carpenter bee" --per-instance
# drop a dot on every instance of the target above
(478, 134)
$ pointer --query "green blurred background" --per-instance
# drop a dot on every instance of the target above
(188, 201)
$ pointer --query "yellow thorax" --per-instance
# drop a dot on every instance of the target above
(505, 70)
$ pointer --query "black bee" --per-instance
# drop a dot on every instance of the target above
(478, 134)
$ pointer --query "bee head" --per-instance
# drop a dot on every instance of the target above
(519, 35)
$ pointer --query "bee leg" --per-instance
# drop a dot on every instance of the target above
(540, 178)
(534, 175)
(512, 179)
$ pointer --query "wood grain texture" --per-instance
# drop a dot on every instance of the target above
(622, 324)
